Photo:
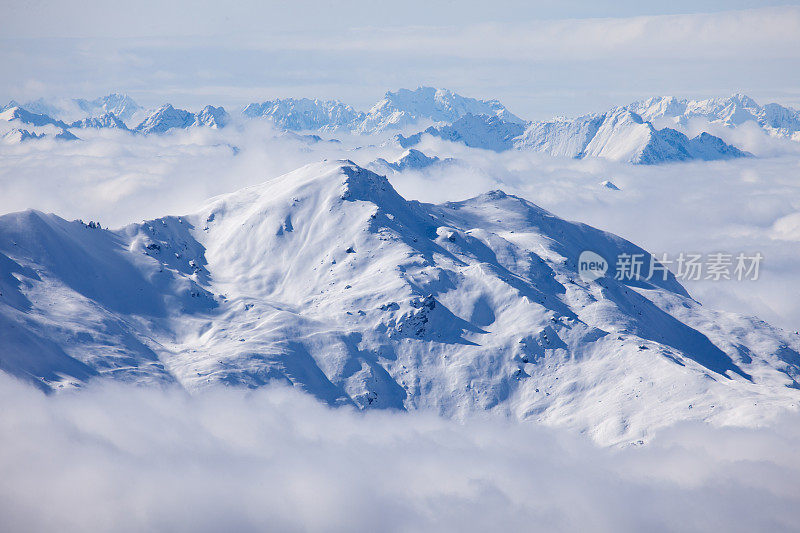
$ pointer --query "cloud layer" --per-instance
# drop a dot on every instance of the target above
(132, 459)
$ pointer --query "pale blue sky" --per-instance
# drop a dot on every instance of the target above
(539, 58)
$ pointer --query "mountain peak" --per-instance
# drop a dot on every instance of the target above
(328, 280)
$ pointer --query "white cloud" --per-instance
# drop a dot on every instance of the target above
(132, 459)
(787, 228)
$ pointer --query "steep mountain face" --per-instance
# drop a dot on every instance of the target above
(166, 118)
(328, 280)
(622, 135)
(405, 107)
(108, 120)
(731, 111)
(561, 136)
(299, 114)
(24, 116)
(476, 131)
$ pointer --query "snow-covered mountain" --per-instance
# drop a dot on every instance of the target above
(328, 280)
(17, 136)
(212, 117)
(166, 118)
(476, 131)
(622, 135)
(732, 111)
(300, 114)
(405, 107)
(396, 110)
(22, 115)
(74, 109)
(411, 159)
(108, 120)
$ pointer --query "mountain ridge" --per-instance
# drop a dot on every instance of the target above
(328, 280)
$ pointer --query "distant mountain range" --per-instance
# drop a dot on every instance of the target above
(732, 111)
(643, 132)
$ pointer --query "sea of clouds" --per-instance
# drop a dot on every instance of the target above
(121, 458)
(112, 457)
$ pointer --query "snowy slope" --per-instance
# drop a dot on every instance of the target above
(328, 280)
(622, 135)
(299, 114)
(732, 111)
(405, 107)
